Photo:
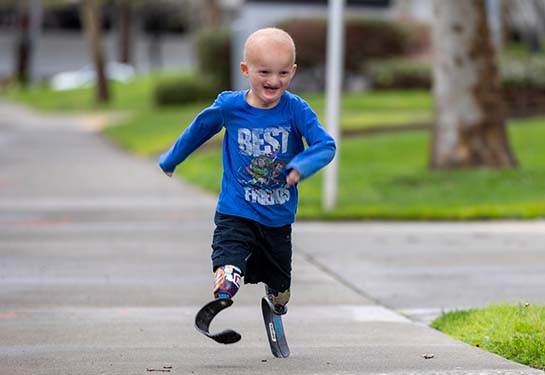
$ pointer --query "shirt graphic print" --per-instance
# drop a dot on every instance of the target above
(264, 177)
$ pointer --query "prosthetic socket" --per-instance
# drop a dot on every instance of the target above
(227, 284)
(227, 281)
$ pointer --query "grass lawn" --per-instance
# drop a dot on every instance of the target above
(387, 108)
(381, 176)
(514, 332)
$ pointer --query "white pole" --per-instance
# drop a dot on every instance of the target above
(238, 38)
(334, 76)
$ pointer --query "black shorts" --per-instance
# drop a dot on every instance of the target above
(262, 253)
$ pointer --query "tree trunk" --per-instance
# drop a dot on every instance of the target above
(125, 31)
(23, 45)
(212, 14)
(91, 20)
(469, 126)
(506, 25)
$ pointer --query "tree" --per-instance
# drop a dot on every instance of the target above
(212, 13)
(91, 20)
(23, 45)
(29, 19)
(469, 126)
(125, 14)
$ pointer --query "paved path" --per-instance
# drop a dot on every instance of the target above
(421, 269)
(104, 262)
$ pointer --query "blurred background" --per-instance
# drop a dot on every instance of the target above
(173, 34)
(157, 63)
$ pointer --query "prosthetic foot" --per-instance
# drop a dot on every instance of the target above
(274, 328)
(205, 316)
(226, 285)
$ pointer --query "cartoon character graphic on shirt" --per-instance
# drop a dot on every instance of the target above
(259, 170)
(264, 177)
(276, 171)
(265, 170)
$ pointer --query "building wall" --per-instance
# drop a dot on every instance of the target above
(61, 51)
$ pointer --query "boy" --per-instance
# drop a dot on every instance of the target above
(263, 160)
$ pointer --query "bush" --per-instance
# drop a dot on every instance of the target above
(523, 80)
(309, 36)
(214, 76)
(214, 55)
(400, 73)
(418, 36)
(527, 72)
(374, 39)
(407, 73)
(185, 89)
(365, 39)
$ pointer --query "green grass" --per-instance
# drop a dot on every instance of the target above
(135, 95)
(381, 177)
(514, 332)
(376, 109)
(151, 131)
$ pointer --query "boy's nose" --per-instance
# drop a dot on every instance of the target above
(275, 80)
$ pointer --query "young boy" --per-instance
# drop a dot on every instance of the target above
(263, 160)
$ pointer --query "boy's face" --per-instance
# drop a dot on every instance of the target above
(270, 68)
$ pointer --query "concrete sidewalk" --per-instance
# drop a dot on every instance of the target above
(104, 262)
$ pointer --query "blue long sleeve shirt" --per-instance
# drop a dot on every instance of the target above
(260, 147)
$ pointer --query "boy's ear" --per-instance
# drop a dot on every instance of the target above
(244, 68)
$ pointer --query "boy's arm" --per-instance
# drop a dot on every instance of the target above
(207, 123)
(320, 151)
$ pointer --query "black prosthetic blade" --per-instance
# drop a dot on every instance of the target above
(205, 316)
(275, 330)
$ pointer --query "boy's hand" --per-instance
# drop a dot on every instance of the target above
(169, 174)
(293, 177)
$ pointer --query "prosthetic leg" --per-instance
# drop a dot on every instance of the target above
(273, 306)
(226, 285)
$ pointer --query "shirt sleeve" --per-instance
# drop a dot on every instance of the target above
(207, 124)
(321, 145)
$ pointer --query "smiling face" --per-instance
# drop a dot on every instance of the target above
(269, 64)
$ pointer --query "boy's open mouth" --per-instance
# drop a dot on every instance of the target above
(270, 89)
